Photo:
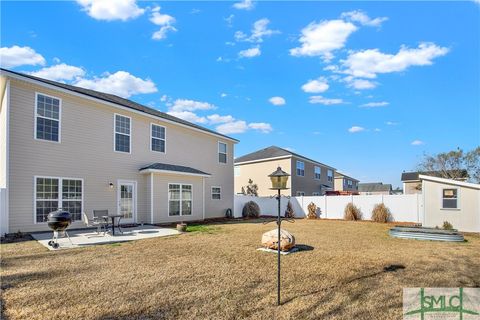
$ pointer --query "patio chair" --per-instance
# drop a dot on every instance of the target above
(98, 223)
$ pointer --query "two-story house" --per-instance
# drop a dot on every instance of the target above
(345, 183)
(67, 147)
(307, 177)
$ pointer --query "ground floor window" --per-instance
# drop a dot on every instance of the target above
(300, 193)
(179, 199)
(52, 193)
(216, 193)
(315, 194)
(449, 199)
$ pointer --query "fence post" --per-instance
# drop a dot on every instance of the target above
(325, 204)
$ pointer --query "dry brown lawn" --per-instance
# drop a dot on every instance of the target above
(220, 275)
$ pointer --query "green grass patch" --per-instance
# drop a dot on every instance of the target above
(200, 228)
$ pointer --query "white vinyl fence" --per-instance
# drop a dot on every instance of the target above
(3, 212)
(404, 208)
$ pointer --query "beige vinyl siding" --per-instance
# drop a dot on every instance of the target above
(412, 187)
(308, 183)
(160, 197)
(3, 132)
(258, 172)
(87, 151)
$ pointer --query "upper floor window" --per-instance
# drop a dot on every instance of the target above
(47, 118)
(222, 152)
(157, 138)
(450, 199)
(300, 168)
(216, 193)
(330, 175)
(350, 183)
(122, 133)
(317, 172)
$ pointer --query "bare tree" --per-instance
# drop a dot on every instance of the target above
(453, 164)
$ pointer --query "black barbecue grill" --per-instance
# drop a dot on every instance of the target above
(58, 221)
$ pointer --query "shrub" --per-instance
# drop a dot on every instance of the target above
(251, 210)
(289, 213)
(447, 225)
(352, 213)
(381, 213)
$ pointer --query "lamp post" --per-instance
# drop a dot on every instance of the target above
(279, 180)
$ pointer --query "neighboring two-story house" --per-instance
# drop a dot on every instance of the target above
(307, 177)
(345, 183)
(78, 149)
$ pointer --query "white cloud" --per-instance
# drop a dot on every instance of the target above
(316, 86)
(244, 5)
(239, 126)
(188, 116)
(261, 126)
(216, 118)
(223, 94)
(356, 129)
(391, 123)
(259, 30)
(360, 84)
(164, 98)
(120, 83)
(417, 143)
(321, 39)
(11, 57)
(277, 101)
(362, 18)
(165, 22)
(190, 105)
(368, 63)
(111, 10)
(375, 104)
(324, 101)
(59, 72)
(377, 130)
(250, 53)
(229, 20)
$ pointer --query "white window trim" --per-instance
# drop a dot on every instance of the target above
(59, 200)
(315, 174)
(441, 199)
(329, 177)
(296, 168)
(115, 133)
(152, 137)
(226, 152)
(59, 118)
(220, 193)
(181, 199)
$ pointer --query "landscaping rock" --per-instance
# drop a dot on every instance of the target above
(270, 240)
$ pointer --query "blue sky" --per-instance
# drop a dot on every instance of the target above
(366, 87)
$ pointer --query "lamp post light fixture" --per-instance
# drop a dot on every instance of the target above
(279, 180)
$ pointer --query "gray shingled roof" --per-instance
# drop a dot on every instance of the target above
(272, 152)
(409, 176)
(118, 100)
(374, 187)
(173, 168)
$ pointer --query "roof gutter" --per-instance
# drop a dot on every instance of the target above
(115, 105)
(206, 175)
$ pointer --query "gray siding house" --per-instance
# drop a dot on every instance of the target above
(78, 149)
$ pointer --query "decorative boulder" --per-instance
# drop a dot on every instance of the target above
(312, 211)
(270, 240)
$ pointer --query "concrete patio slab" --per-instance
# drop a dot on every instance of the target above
(82, 238)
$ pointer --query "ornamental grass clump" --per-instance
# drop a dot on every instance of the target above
(381, 213)
(352, 212)
(251, 210)
(447, 225)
